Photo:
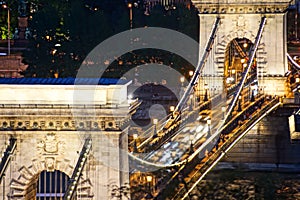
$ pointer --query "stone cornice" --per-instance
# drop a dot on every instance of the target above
(241, 6)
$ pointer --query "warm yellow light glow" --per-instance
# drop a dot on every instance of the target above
(208, 122)
(172, 108)
(205, 86)
(191, 73)
(182, 79)
(149, 178)
(155, 121)
(223, 109)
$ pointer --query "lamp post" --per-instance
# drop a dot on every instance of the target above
(172, 108)
(233, 72)
(8, 27)
(181, 92)
(192, 102)
(206, 93)
(191, 151)
(223, 109)
(130, 14)
(240, 104)
(182, 80)
(191, 73)
(135, 149)
(155, 131)
(243, 60)
(252, 99)
(149, 180)
(208, 125)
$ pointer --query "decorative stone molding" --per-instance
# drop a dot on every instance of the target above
(50, 145)
(241, 6)
(226, 39)
(19, 187)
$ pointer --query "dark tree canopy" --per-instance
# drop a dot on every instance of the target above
(64, 31)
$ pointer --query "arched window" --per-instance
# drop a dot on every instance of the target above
(51, 185)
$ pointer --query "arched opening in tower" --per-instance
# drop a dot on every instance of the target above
(51, 185)
(236, 57)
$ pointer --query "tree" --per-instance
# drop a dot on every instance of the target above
(64, 32)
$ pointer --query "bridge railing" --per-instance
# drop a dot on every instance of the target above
(74, 180)
(173, 180)
(10, 149)
(246, 72)
(212, 160)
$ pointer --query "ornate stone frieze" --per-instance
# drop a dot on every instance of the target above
(241, 6)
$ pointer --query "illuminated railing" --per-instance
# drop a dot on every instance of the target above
(7, 156)
(205, 166)
(74, 180)
(247, 70)
(294, 63)
(174, 117)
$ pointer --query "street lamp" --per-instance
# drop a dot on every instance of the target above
(192, 102)
(8, 27)
(172, 108)
(240, 104)
(234, 74)
(206, 94)
(182, 80)
(191, 151)
(191, 73)
(208, 125)
(130, 14)
(252, 99)
(135, 149)
(149, 180)
(223, 109)
(155, 121)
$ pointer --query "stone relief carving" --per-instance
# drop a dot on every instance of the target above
(50, 145)
(50, 164)
(50, 149)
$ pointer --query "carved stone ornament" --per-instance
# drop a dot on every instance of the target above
(50, 145)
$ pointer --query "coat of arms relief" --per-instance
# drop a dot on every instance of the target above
(49, 149)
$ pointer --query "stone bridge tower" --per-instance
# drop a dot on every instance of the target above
(51, 129)
(240, 20)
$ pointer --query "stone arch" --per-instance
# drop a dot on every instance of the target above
(261, 54)
(25, 182)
